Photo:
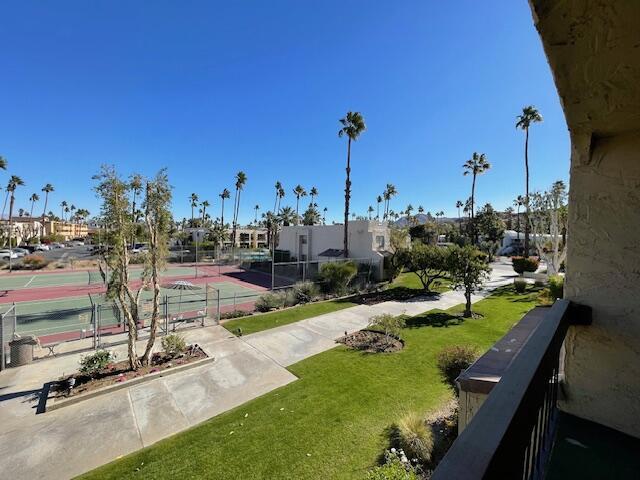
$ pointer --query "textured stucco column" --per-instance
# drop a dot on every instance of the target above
(602, 363)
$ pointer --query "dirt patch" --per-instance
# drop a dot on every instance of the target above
(372, 342)
(119, 372)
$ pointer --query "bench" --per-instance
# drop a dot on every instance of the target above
(190, 318)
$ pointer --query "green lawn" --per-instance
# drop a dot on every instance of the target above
(257, 323)
(333, 421)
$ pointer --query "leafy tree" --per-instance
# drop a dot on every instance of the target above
(425, 233)
(548, 217)
(490, 225)
(311, 215)
(428, 262)
(475, 166)
(352, 126)
(528, 116)
(468, 270)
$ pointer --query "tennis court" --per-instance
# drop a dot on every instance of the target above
(73, 315)
(83, 277)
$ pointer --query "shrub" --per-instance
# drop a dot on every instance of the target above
(336, 276)
(234, 314)
(556, 286)
(520, 285)
(415, 438)
(453, 360)
(34, 262)
(393, 469)
(304, 292)
(522, 264)
(388, 324)
(173, 344)
(269, 301)
(94, 363)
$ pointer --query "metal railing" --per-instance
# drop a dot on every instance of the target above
(7, 331)
(512, 433)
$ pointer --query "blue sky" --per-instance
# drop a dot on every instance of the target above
(209, 88)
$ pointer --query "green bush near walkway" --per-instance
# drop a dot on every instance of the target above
(334, 421)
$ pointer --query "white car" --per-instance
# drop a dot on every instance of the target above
(7, 254)
(56, 245)
(21, 252)
(42, 247)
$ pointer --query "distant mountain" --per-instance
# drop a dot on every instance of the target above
(422, 218)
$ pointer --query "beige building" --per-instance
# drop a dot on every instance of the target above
(31, 229)
(68, 230)
(593, 381)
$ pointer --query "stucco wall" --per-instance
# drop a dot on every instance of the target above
(602, 362)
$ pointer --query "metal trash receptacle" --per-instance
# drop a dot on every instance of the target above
(21, 350)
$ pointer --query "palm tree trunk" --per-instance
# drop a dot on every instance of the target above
(347, 196)
(275, 204)
(222, 213)
(10, 227)
(473, 222)
(46, 199)
(526, 197)
(4, 205)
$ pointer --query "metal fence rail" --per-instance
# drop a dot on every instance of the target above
(7, 333)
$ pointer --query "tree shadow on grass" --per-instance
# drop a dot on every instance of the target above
(434, 319)
(395, 294)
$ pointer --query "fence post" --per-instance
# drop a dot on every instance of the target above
(15, 318)
(166, 314)
(218, 306)
(2, 365)
(304, 271)
(234, 301)
(94, 314)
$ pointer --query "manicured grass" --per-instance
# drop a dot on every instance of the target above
(333, 421)
(411, 281)
(257, 323)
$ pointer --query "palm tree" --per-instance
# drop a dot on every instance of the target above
(459, 205)
(225, 195)
(388, 194)
(313, 193)
(529, 115)
(278, 187)
(518, 202)
(408, 212)
(63, 206)
(255, 218)
(475, 166)
(299, 191)
(72, 209)
(193, 198)
(47, 189)
(370, 210)
(33, 199)
(241, 180)
(3, 163)
(14, 182)
(286, 216)
(378, 201)
(324, 215)
(204, 206)
(352, 126)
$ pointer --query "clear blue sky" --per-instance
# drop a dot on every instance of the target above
(209, 88)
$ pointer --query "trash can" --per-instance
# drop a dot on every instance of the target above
(21, 349)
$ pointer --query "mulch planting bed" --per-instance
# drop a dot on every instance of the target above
(119, 372)
(372, 342)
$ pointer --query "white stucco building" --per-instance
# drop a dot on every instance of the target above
(368, 239)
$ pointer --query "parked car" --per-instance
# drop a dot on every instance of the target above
(6, 254)
(21, 252)
(41, 247)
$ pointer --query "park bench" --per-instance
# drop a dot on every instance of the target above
(188, 318)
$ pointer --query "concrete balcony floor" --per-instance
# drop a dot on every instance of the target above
(587, 450)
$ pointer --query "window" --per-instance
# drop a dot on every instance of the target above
(380, 241)
(303, 239)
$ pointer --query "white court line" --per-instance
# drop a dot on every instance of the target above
(29, 282)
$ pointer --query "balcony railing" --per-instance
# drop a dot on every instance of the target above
(512, 433)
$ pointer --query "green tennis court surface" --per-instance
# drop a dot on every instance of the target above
(74, 314)
(81, 277)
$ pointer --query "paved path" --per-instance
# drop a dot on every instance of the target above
(72, 440)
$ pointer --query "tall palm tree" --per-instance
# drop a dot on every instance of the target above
(523, 121)
(475, 166)
(3, 166)
(224, 195)
(352, 126)
(324, 215)
(459, 205)
(378, 201)
(193, 198)
(241, 180)
(14, 182)
(299, 191)
(47, 189)
(286, 216)
(205, 204)
(388, 194)
(255, 218)
(63, 207)
(518, 202)
(313, 193)
(278, 187)
(33, 199)
(370, 210)
(72, 209)
(408, 212)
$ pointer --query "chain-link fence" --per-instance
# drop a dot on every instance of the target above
(7, 333)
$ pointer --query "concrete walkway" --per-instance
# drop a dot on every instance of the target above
(75, 439)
